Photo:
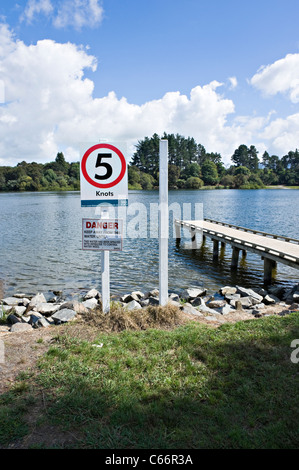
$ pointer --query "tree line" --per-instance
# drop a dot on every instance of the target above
(190, 167)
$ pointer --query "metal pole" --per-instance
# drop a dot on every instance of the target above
(105, 271)
(163, 223)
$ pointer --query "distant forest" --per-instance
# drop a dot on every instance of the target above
(190, 167)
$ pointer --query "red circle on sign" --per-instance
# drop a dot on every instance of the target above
(105, 146)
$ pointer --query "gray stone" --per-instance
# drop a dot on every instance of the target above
(92, 294)
(152, 293)
(47, 308)
(42, 323)
(227, 290)
(230, 297)
(174, 297)
(138, 293)
(271, 299)
(259, 306)
(6, 308)
(217, 304)
(246, 302)
(12, 319)
(19, 311)
(19, 296)
(11, 301)
(226, 309)
(193, 292)
(133, 305)
(34, 317)
(79, 308)
(174, 303)
(37, 299)
(63, 316)
(129, 297)
(20, 327)
(198, 302)
(249, 293)
(294, 307)
(191, 311)
(25, 301)
(90, 303)
(144, 303)
(209, 311)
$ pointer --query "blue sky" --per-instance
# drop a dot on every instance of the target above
(123, 69)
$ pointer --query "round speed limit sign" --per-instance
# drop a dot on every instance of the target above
(103, 175)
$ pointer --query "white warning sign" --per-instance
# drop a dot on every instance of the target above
(102, 234)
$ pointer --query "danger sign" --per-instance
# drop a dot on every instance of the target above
(102, 234)
(104, 175)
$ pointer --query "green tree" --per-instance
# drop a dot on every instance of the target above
(209, 173)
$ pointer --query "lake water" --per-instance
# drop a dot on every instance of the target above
(41, 240)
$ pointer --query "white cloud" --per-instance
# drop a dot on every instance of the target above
(233, 82)
(64, 13)
(280, 77)
(50, 107)
(36, 7)
(78, 13)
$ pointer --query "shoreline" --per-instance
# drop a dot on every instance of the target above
(20, 313)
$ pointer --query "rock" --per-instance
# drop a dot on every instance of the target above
(37, 299)
(11, 301)
(133, 305)
(12, 319)
(198, 302)
(249, 293)
(296, 296)
(129, 297)
(228, 290)
(244, 301)
(230, 297)
(144, 303)
(138, 293)
(191, 311)
(271, 299)
(42, 323)
(19, 311)
(238, 305)
(19, 296)
(192, 293)
(90, 303)
(6, 308)
(226, 309)
(153, 301)
(211, 318)
(47, 308)
(20, 327)
(63, 316)
(25, 301)
(34, 317)
(209, 311)
(259, 306)
(174, 297)
(92, 294)
(217, 304)
(277, 291)
(261, 292)
(79, 308)
(152, 293)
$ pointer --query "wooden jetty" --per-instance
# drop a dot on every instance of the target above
(273, 249)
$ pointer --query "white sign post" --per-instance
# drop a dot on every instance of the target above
(163, 223)
(104, 180)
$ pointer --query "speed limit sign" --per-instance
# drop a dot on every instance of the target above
(104, 176)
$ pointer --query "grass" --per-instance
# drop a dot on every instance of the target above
(191, 387)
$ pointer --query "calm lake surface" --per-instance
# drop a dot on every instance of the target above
(41, 239)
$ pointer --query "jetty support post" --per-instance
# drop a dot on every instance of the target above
(215, 249)
(269, 266)
(235, 258)
(178, 234)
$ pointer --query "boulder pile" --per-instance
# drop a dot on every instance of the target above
(23, 312)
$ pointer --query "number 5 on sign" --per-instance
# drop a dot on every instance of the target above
(103, 174)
